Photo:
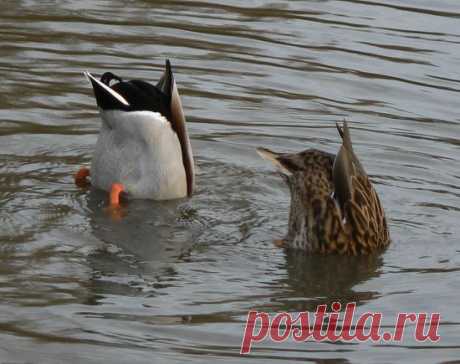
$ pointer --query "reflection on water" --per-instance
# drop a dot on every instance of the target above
(174, 281)
(154, 232)
(325, 280)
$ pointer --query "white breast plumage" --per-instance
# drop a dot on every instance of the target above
(141, 149)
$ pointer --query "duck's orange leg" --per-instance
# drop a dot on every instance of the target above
(115, 191)
(81, 177)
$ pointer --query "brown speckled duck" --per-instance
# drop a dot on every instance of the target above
(334, 207)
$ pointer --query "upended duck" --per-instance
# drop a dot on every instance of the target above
(334, 207)
(143, 148)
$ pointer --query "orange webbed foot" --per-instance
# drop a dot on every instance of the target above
(114, 208)
(115, 192)
(81, 177)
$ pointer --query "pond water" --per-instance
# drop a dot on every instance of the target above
(173, 282)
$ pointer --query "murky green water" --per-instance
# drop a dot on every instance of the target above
(173, 282)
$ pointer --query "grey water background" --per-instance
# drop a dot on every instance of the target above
(172, 282)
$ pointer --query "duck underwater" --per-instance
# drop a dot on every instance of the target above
(334, 207)
(143, 149)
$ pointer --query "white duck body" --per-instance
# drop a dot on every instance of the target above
(143, 143)
(141, 149)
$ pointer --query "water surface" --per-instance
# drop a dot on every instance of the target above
(172, 282)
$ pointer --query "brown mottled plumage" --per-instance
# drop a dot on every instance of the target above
(334, 207)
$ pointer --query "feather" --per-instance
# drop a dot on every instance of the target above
(334, 207)
(143, 142)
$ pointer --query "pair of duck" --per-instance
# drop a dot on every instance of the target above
(144, 151)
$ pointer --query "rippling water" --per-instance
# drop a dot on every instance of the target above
(172, 282)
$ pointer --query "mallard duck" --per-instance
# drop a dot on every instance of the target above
(143, 149)
(334, 207)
